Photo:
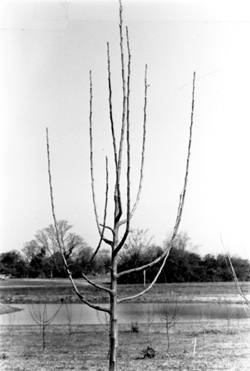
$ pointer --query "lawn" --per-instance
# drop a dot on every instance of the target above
(192, 347)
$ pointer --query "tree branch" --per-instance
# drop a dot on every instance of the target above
(143, 144)
(91, 154)
(125, 235)
(111, 109)
(104, 218)
(96, 285)
(128, 138)
(61, 244)
(165, 254)
(151, 284)
(118, 203)
(143, 150)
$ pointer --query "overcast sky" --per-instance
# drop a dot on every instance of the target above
(47, 50)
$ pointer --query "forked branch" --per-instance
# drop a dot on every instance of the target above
(125, 235)
(117, 195)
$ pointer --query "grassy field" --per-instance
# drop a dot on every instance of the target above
(195, 345)
(52, 290)
(192, 347)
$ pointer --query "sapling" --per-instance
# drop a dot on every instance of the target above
(41, 318)
(115, 233)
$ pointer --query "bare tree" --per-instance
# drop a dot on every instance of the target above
(41, 318)
(237, 283)
(122, 204)
(137, 241)
(69, 317)
(169, 318)
(46, 239)
(72, 242)
(30, 250)
(34, 247)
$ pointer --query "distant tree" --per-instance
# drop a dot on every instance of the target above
(137, 251)
(43, 254)
(34, 247)
(210, 268)
(241, 268)
(183, 242)
(80, 263)
(219, 268)
(13, 264)
(175, 269)
(135, 247)
(137, 242)
(195, 271)
(183, 264)
(30, 250)
(224, 272)
(37, 265)
(103, 261)
(71, 241)
(73, 245)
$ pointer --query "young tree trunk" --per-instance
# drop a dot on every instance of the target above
(113, 320)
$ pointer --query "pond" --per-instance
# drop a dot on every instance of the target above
(80, 314)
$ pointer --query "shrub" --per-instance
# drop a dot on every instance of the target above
(148, 352)
(134, 327)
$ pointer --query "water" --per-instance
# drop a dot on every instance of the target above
(80, 314)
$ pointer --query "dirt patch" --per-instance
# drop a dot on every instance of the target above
(192, 347)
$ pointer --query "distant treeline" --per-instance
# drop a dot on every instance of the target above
(183, 264)
(186, 266)
(41, 258)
